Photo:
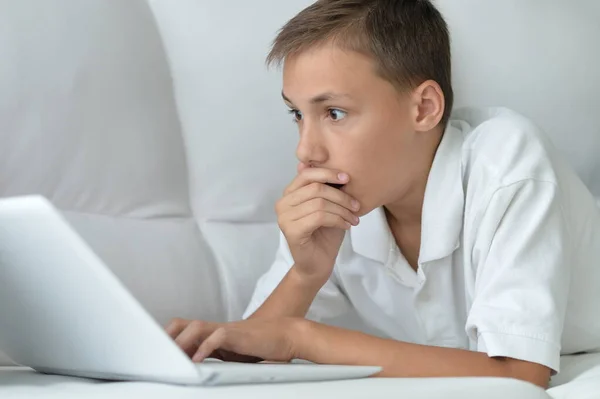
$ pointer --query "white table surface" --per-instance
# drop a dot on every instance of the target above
(579, 379)
(17, 383)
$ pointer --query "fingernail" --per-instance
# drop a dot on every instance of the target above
(355, 205)
(356, 220)
(343, 177)
(198, 357)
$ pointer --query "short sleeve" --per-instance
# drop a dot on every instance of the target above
(329, 303)
(522, 278)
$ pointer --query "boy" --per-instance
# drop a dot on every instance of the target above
(473, 248)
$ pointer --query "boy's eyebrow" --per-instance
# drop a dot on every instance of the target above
(285, 98)
(318, 99)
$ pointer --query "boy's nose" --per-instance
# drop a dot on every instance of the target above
(311, 150)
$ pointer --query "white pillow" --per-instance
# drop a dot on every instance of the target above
(538, 57)
(240, 140)
(87, 114)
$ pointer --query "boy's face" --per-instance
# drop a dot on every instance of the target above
(352, 120)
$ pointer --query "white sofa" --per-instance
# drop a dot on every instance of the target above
(156, 128)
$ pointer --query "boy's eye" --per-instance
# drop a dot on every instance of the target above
(296, 114)
(337, 114)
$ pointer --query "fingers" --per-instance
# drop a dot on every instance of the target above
(318, 190)
(194, 334)
(176, 326)
(210, 345)
(318, 206)
(302, 166)
(316, 220)
(308, 175)
(305, 227)
(190, 334)
(231, 343)
(313, 206)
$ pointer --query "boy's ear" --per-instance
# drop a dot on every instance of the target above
(428, 106)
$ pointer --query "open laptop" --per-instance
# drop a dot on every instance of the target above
(62, 311)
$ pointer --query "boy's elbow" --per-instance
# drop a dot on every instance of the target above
(540, 381)
(533, 373)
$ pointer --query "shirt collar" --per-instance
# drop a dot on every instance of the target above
(371, 238)
(443, 207)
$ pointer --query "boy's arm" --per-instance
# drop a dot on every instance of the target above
(518, 311)
(324, 344)
(292, 298)
(283, 339)
(283, 292)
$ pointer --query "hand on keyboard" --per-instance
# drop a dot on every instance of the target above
(247, 341)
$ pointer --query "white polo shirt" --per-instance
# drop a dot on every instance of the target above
(509, 262)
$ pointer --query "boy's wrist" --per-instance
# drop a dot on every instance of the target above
(292, 297)
(311, 284)
(301, 335)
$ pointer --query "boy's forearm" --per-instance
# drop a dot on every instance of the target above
(292, 297)
(324, 344)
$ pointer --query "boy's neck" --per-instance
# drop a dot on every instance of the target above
(404, 216)
(404, 220)
(407, 210)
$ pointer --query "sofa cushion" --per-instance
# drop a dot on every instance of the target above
(87, 115)
(240, 139)
(88, 119)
